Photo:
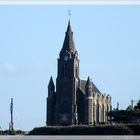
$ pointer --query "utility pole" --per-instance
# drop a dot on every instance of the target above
(117, 106)
(11, 124)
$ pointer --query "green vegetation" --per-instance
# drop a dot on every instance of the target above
(14, 132)
(126, 116)
(137, 107)
(84, 130)
(135, 128)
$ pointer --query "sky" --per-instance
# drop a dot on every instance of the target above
(31, 37)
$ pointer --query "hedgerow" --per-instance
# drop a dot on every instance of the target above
(83, 130)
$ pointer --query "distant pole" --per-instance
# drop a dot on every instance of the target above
(11, 127)
(117, 106)
(132, 103)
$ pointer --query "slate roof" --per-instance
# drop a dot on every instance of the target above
(68, 41)
(95, 89)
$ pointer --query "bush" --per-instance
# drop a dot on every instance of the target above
(19, 132)
(135, 128)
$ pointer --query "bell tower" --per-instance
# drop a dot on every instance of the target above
(67, 81)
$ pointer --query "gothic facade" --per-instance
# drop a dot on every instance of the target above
(74, 101)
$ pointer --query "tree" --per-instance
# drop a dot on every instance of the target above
(137, 107)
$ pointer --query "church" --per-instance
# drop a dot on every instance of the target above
(74, 101)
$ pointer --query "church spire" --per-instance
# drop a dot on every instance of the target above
(68, 44)
(69, 27)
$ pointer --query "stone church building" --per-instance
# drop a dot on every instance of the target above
(74, 101)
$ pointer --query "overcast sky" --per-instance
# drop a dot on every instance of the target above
(107, 39)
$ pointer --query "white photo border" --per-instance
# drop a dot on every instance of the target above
(69, 2)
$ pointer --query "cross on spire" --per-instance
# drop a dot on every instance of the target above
(69, 13)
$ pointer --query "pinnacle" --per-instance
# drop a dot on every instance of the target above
(51, 82)
(88, 81)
